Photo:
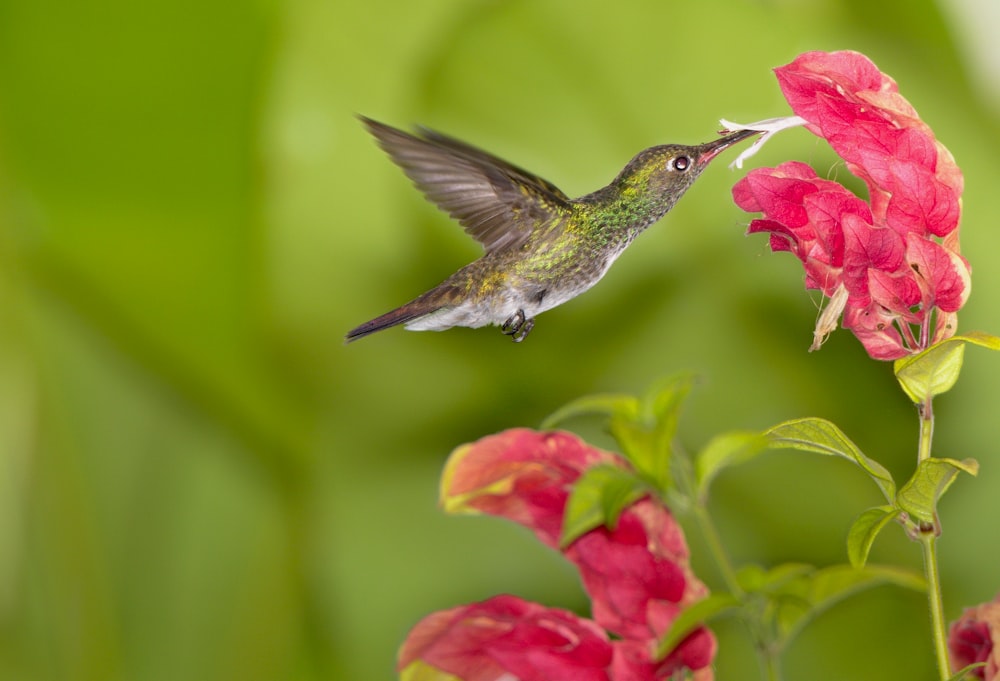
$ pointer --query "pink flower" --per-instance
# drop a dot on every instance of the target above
(637, 574)
(506, 638)
(633, 660)
(889, 264)
(522, 475)
(971, 640)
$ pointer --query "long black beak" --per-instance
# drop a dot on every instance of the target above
(710, 150)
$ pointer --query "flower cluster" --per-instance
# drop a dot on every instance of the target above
(636, 574)
(891, 265)
(973, 637)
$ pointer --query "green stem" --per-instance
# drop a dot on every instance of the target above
(926, 411)
(766, 654)
(769, 668)
(717, 550)
(699, 508)
(928, 542)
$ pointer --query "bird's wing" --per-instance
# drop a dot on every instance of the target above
(496, 202)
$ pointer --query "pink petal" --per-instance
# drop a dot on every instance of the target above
(973, 638)
(833, 74)
(860, 112)
(881, 256)
(520, 474)
(896, 292)
(506, 636)
(943, 276)
(867, 247)
(633, 659)
(637, 575)
(778, 197)
(826, 211)
(920, 203)
(876, 330)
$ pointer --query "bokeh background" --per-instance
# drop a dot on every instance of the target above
(198, 480)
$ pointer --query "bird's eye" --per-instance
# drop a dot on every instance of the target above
(681, 163)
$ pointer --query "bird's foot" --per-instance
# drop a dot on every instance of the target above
(517, 326)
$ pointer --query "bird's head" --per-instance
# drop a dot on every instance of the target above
(670, 169)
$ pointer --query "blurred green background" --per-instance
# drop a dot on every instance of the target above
(198, 480)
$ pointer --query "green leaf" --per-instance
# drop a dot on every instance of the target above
(795, 593)
(864, 530)
(981, 338)
(598, 498)
(609, 404)
(801, 600)
(727, 449)
(931, 372)
(919, 496)
(644, 430)
(653, 441)
(935, 370)
(638, 444)
(692, 617)
(662, 402)
(966, 670)
(823, 437)
(755, 579)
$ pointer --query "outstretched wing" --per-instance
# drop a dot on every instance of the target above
(496, 202)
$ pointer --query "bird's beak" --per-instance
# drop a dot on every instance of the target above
(710, 150)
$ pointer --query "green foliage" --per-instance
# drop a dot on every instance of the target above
(862, 534)
(964, 672)
(935, 370)
(722, 451)
(919, 496)
(775, 603)
(711, 607)
(796, 596)
(916, 502)
(915, 506)
(789, 596)
(644, 429)
(779, 602)
(822, 437)
(598, 498)
(618, 408)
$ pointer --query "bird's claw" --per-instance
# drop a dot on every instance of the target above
(517, 326)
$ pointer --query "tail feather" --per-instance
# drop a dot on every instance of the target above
(401, 315)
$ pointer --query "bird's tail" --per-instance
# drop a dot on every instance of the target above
(401, 315)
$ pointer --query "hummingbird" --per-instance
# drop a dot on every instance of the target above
(542, 248)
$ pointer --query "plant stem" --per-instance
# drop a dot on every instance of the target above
(926, 411)
(928, 542)
(717, 550)
(699, 507)
(766, 655)
(769, 668)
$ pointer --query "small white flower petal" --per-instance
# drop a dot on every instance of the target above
(827, 322)
(769, 126)
(766, 125)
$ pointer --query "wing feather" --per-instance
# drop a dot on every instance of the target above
(498, 203)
